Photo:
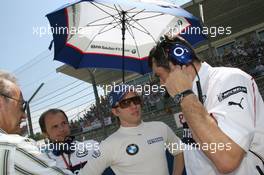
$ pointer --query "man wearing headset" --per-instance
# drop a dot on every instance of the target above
(63, 148)
(137, 147)
(222, 107)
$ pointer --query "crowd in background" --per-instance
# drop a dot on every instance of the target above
(247, 56)
(91, 116)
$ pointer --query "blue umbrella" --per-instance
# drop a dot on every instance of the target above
(116, 34)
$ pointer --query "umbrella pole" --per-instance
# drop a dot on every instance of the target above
(123, 45)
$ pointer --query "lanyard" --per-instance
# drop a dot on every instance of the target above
(68, 165)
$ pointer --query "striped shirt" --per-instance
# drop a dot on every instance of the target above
(20, 155)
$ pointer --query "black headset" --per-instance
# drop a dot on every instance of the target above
(179, 53)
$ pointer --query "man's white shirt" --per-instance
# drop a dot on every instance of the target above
(134, 150)
(232, 98)
(81, 154)
(19, 155)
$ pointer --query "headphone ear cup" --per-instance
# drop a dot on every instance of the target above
(180, 54)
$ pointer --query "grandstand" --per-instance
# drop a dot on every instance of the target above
(245, 17)
(243, 48)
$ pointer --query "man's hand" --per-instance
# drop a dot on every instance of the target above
(179, 80)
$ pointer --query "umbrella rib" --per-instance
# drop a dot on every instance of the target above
(120, 17)
(146, 31)
(105, 5)
(130, 31)
(95, 36)
(137, 19)
(134, 38)
(108, 29)
(105, 24)
(98, 20)
(145, 11)
(126, 10)
(105, 11)
(136, 13)
(142, 11)
(118, 11)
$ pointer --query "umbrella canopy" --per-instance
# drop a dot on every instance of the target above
(115, 34)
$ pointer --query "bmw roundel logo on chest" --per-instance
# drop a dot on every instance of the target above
(132, 149)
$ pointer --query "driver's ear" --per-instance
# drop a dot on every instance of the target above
(115, 111)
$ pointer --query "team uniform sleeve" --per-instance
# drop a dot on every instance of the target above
(231, 103)
(101, 159)
(173, 142)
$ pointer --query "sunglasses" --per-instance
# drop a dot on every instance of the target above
(23, 102)
(127, 102)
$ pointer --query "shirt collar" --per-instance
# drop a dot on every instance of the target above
(131, 129)
(203, 74)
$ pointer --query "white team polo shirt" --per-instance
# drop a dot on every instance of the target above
(134, 151)
(233, 99)
(82, 152)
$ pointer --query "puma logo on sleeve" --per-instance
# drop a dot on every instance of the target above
(230, 103)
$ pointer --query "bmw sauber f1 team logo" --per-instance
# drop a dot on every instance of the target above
(132, 149)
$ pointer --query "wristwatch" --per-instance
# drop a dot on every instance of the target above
(178, 97)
